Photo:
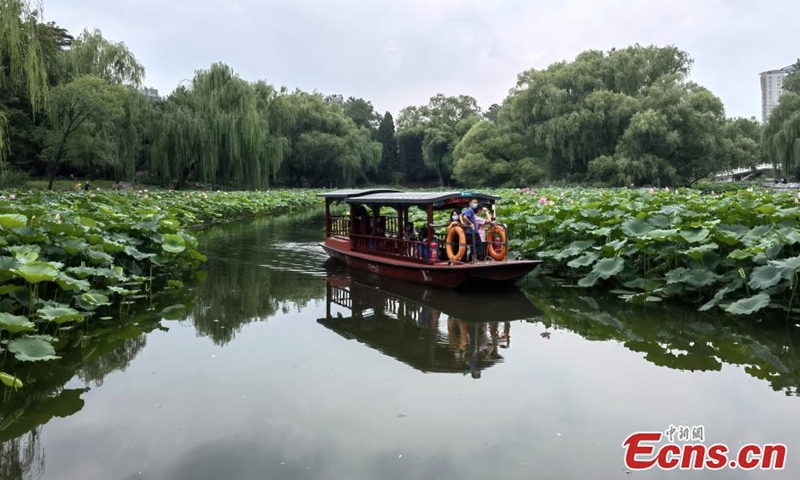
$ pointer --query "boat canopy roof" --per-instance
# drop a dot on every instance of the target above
(347, 193)
(437, 199)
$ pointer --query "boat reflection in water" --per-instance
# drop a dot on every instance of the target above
(432, 330)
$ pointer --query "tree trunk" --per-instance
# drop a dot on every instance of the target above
(57, 161)
(188, 170)
(53, 173)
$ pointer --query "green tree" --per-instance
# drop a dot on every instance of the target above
(132, 133)
(81, 117)
(409, 153)
(362, 113)
(389, 170)
(742, 143)
(492, 112)
(26, 126)
(325, 147)
(631, 111)
(781, 138)
(217, 130)
(490, 156)
(443, 122)
(92, 54)
(792, 81)
(23, 69)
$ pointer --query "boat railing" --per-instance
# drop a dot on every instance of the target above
(339, 226)
(392, 247)
(341, 296)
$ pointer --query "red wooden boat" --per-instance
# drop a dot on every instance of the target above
(375, 243)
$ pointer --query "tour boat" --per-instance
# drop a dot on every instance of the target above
(375, 243)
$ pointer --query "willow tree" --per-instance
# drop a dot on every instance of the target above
(781, 137)
(23, 69)
(92, 54)
(217, 130)
(325, 146)
(131, 131)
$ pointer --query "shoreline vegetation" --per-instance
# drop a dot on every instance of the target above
(66, 255)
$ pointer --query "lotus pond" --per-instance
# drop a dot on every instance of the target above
(275, 363)
(65, 256)
(736, 251)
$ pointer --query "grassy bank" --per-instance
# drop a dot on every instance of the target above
(64, 255)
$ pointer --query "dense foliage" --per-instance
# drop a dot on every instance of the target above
(64, 255)
(606, 118)
(781, 136)
(736, 250)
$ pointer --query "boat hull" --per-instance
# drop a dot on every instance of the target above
(437, 275)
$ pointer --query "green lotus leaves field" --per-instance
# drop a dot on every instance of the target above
(64, 255)
(738, 250)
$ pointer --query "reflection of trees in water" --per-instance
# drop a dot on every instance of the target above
(22, 457)
(683, 339)
(235, 295)
(238, 294)
(95, 369)
(90, 351)
(255, 272)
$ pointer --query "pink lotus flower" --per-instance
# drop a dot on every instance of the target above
(651, 190)
(542, 200)
(525, 189)
(12, 196)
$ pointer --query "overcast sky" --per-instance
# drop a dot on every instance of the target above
(401, 52)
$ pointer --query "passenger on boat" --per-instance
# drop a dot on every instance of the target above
(481, 223)
(408, 231)
(455, 220)
(409, 235)
(424, 248)
(361, 225)
(377, 229)
(470, 229)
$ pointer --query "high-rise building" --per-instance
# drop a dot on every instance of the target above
(772, 88)
(151, 92)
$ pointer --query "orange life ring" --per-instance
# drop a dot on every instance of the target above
(499, 251)
(462, 244)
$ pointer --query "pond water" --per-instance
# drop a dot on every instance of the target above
(282, 365)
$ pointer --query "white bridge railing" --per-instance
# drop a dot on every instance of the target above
(738, 171)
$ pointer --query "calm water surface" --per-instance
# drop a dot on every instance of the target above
(280, 365)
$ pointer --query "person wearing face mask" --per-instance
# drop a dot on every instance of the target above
(471, 230)
(455, 219)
